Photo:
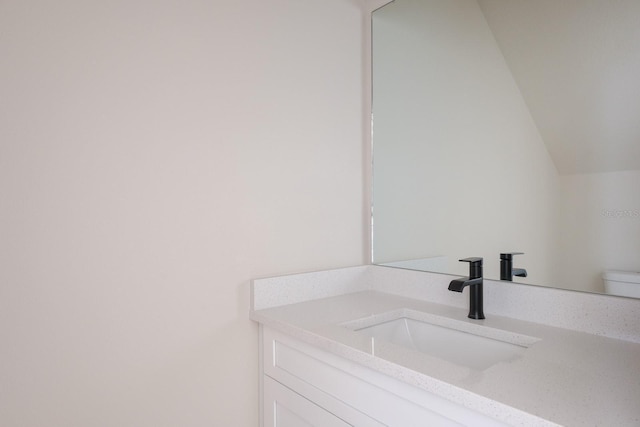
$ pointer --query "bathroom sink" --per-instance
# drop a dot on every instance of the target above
(470, 345)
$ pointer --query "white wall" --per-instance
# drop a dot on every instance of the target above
(459, 162)
(600, 227)
(154, 157)
(576, 64)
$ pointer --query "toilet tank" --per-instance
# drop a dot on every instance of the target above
(622, 283)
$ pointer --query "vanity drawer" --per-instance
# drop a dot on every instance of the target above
(284, 407)
(327, 379)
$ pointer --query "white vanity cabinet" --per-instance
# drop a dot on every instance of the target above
(305, 386)
(284, 407)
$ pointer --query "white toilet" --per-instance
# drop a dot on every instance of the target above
(622, 283)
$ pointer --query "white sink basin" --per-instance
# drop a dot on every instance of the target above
(471, 345)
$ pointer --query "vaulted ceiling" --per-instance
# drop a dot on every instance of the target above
(577, 63)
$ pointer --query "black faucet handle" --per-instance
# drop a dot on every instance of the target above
(475, 267)
(509, 255)
(472, 260)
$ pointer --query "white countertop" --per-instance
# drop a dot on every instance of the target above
(568, 377)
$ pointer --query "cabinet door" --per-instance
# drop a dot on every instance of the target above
(285, 408)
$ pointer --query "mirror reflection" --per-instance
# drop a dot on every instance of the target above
(509, 126)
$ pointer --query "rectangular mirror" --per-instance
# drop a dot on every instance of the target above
(502, 126)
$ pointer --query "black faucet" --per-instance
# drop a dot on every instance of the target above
(474, 281)
(506, 267)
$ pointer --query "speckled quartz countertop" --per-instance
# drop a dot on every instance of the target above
(568, 377)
